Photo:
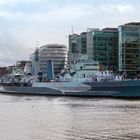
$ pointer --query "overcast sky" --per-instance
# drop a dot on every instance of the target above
(23, 22)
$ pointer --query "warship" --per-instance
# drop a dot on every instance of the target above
(83, 79)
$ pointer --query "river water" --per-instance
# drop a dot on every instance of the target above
(68, 118)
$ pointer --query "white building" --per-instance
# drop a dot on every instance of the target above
(55, 52)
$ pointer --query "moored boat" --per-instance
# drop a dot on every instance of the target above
(123, 89)
(84, 80)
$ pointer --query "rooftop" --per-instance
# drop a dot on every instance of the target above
(133, 23)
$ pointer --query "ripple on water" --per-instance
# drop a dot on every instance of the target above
(37, 118)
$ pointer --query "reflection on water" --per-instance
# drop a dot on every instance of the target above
(65, 118)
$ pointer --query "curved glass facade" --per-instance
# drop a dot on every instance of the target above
(55, 52)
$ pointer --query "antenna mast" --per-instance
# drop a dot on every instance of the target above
(72, 30)
(37, 44)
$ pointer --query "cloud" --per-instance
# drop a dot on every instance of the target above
(125, 8)
(49, 21)
(15, 1)
(3, 14)
(110, 9)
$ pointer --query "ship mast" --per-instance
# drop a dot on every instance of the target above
(37, 58)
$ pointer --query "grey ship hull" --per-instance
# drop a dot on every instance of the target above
(125, 88)
(122, 89)
(53, 92)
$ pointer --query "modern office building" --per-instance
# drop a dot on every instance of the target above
(55, 52)
(77, 45)
(90, 48)
(102, 46)
(129, 48)
(83, 40)
(74, 47)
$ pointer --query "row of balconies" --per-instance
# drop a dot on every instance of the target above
(54, 48)
(52, 56)
(54, 60)
(53, 53)
(45, 64)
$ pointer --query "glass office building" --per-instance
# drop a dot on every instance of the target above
(129, 48)
(55, 52)
(98, 45)
(77, 45)
(102, 46)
